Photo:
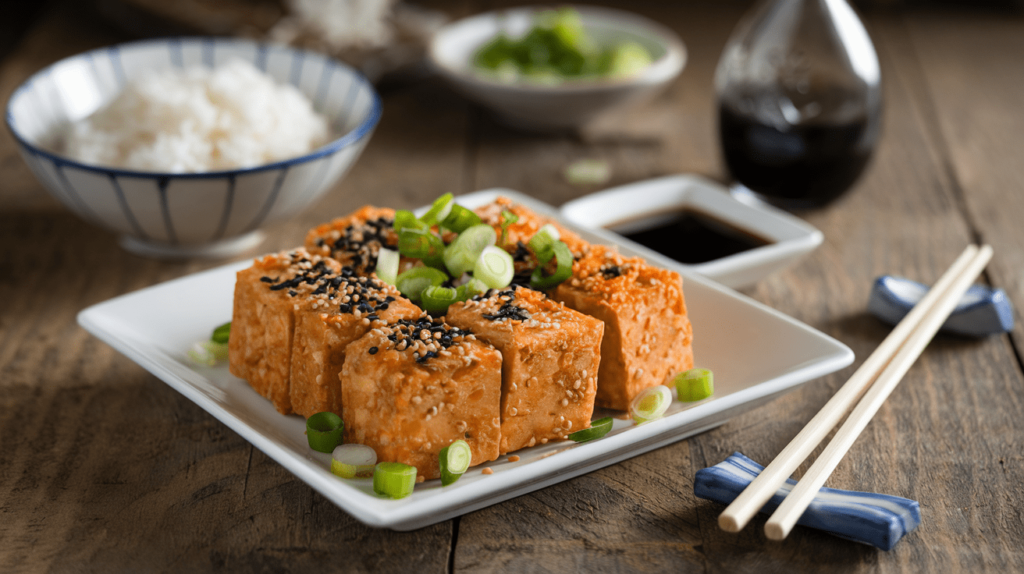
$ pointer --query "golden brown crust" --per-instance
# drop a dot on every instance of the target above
(528, 224)
(354, 240)
(648, 337)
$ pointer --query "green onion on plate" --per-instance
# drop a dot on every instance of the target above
(394, 479)
(461, 255)
(439, 210)
(436, 298)
(695, 385)
(597, 429)
(454, 459)
(387, 265)
(323, 431)
(353, 461)
(494, 267)
(412, 282)
(222, 334)
(651, 404)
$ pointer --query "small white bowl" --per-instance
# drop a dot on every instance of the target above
(790, 238)
(211, 214)
(571, 104)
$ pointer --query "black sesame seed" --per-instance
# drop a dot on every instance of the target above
(373, 350)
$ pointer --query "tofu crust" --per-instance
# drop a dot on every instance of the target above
(263, 319)
(408, 393)
(528, 224)
(355, 240)
(550, 359)
(326, 322)
(647, 337)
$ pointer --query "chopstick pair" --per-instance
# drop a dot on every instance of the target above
(885, 368)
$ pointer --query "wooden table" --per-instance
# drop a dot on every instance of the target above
(105, 468)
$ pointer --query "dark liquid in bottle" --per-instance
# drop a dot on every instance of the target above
(803, 166)
(689, 236)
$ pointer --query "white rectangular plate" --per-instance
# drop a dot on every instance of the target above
(755, 352)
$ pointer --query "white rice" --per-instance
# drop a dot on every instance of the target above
(198, 119)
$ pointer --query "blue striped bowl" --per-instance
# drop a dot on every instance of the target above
(202, 214)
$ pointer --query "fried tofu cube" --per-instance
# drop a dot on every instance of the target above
(551, 355)
(528, 224)
(263, 319)
(647, 334)
(355, 240)
(337, 313)
(411, 388)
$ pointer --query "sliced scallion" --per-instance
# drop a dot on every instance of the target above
(437, 298)
(471, 289)
(544, 239)
(454, 459)
(597, 429)
(460, 219)
(222, 334)
(462, 254)
(353, 461)
(650, 404)
(323, 431)
(439, 210)
(207, 353)
(695, 385)
(405, 219)
(494, 267)
(563, 270)
(507, 219)
(394, 479)
(387, 265)
(412, 282)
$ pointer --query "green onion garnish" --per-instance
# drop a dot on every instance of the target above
(460, 219)
(419, 243)
(695, 385)
(394, 479)
(507, 219)
(353, 461)
(436, 298)
(439, 210)
(454, 459)
(412, 282)
(323, 431)
(494, 267)
(597, 429)
(651, 404)
(563, 269)
(544, 239)
(387, 265)
(207, 353)
(472, 289)
(462, 254)
(222, 334)
(407, 220)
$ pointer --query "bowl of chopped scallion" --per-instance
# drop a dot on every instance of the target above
(557, 68)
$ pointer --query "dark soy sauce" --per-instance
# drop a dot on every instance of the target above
(689, 236)
(807, 165)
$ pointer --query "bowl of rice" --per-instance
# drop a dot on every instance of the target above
(188, 146)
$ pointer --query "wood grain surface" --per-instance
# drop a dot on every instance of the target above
(103, 468)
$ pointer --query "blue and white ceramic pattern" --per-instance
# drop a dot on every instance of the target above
(876, 519)
(213, 213)
(981, 312)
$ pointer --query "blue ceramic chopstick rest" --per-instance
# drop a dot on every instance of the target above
(982, 311)
(880, 520)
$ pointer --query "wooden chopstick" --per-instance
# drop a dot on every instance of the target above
(754, 497)
(793, 506)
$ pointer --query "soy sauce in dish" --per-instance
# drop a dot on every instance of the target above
(689, 236)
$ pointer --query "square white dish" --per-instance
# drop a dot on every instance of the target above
(790, 237)
(756, 353)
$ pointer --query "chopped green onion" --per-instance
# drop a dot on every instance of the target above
(471, 289)
(439, 210)
(563, 268)
(323, 431)
(588, 172)
(460, 219)
(462, 254)
(222, 334)
(353, 461)
(207, 353)
(597, 429)
(454, 459)
(507, 219)
(544, 239)
(437, 298)
(394, 479)
(412, 282)
(695, 385)
(387, 265)
(419, 243)
(650, 404)
(405, 219)
(494, 267)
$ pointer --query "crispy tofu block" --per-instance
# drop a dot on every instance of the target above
(647, 335)
(337, 313)
(551, 356)
(526, 226)
(413, 387)
(263, 319)
(355, 239)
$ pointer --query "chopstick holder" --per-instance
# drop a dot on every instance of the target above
(879, 520)
(982, 311)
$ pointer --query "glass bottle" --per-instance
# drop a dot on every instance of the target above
(799, 101)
